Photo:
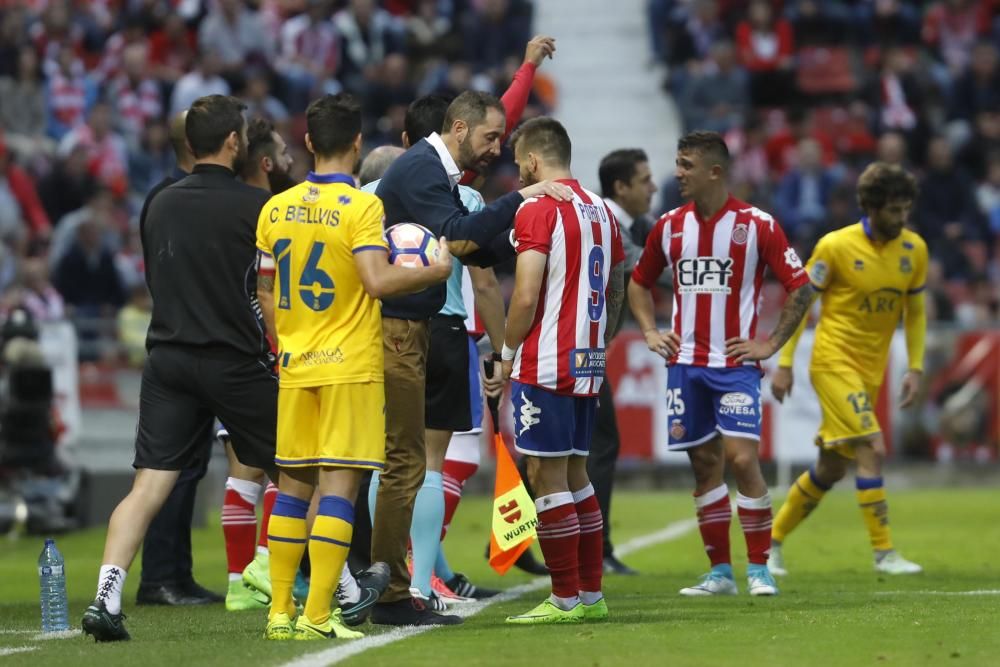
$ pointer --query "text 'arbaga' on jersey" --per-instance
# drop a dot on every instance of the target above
(564, 349)
(329, 328)
(718, 269)
(865, 286)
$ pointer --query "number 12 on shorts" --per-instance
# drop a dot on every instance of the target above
(675, 404)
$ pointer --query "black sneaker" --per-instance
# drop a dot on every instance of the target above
(614, 566)
(372, 583)
(196, 590)
(526, 563)
(102, 625)
(410, 611)
(460, 585)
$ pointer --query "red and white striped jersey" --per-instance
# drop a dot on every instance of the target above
(718, 268)
(564, 348)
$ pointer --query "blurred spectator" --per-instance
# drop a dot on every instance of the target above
(950, 30)
(978, 87)
(135, 96)
(429, 33)
(173, 49)
(766, 50)
(309, 55)
(258, 98)
(237, 35)
(749, 170)
(151, 160)
(891, 148)
(367, 35)
(107, 151)
(886, 23)
(817, 23)
(112, 65)
(133, 323)
(497, 31)
(803, 194)
(717, 98)
(203, 80)
(68, 185)
(898, 99)
(22, 106)
(69, 94)
(988, 194)
(984, 142)
(99, 206)
(782, 144)
(945, 212)
(391, 89)
(86, 275)
(37, 294)
(21, 211)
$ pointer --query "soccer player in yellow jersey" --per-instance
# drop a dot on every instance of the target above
(867, 277)
(322, 251)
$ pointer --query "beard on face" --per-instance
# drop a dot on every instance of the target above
(466, 158)
(279, 180)
(240, 159)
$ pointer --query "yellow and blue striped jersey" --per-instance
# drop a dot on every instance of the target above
(329, 329)
(865, 286)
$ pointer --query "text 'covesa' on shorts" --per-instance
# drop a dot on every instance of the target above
(547, 424)
(703, 402)
(332, 425)
(846, 401)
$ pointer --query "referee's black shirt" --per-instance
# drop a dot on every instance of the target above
(199, 239)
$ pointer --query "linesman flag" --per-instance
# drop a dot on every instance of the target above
(514, 518)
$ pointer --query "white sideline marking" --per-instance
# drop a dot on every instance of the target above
(62, 634)
(5, 631)
(981, 592)
(335, 654)
(17, 649)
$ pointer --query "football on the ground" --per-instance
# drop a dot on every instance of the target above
(411, 245)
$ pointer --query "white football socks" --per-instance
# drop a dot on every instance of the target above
(348, 589)
(110, 583)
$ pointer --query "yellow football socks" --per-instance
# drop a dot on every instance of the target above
(286, 542)
(328, 546)
(802, 499)
(875, 510)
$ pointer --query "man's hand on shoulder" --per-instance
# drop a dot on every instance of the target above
(557, 191)
(540, 47)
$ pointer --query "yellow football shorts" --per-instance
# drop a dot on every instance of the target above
(848, 406)
(332, 425)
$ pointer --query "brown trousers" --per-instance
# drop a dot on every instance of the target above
(405, 345)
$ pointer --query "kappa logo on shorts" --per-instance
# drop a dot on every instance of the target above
(529, 415)
(677, 430)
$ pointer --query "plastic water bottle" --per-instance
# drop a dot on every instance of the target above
(52, 579)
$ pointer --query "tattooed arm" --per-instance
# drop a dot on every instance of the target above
(796, 306)
(615, 300)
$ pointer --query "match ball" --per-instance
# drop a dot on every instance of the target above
(411, 245)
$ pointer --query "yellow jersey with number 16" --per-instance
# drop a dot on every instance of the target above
(329, 328)
(865, 286)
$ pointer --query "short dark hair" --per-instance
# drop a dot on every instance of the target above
(210, 121)
(333, 123)
(881, 183)
(546, 136)
(471, 106)
(619, 165)
(260, 140)
(424, 116)
(708, 144)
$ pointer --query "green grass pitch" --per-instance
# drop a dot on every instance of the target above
(833, 609)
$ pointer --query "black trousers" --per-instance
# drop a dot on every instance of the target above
(604, 446)
(166, 551)
(360, 555)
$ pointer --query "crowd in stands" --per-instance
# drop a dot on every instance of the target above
(87, 88)
(809, 91)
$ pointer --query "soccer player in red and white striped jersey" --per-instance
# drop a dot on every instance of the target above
(717, 249)
(568, 294)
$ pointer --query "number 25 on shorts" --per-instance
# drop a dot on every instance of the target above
(675, 404)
